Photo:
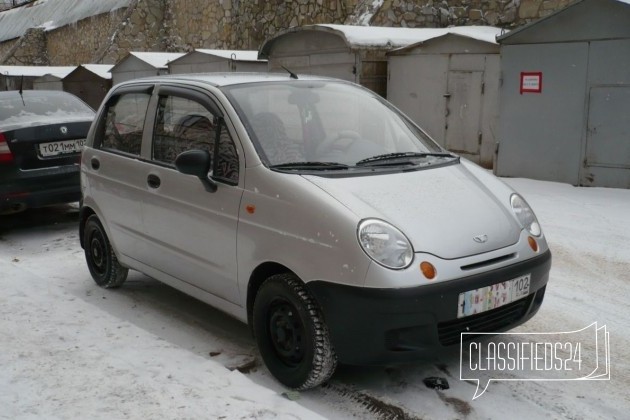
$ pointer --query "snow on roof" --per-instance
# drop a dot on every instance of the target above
(50, 15)
(388, 37)
(159, 60)
(373, 36)
(101, 70)
(487, 34)
(238, 55)
(36, 71)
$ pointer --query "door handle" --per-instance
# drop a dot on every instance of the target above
(95, 163)
(153, 181)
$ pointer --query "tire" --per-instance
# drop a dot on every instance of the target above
(99, 254)
(292, 336)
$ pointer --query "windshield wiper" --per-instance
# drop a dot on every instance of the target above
(317, 166)
(383, 159)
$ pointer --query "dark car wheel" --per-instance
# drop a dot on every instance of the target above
(291, 334)
(101, 259)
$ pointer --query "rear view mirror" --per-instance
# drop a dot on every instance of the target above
(196, 163)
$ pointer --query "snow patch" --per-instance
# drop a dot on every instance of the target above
(386, 37)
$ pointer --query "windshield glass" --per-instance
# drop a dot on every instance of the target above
(35, 105)
(321, 122)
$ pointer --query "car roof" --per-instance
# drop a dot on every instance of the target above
(227, 79)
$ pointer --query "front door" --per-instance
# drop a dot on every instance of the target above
(191, 231)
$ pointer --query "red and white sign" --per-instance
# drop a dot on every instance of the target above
(531, 82)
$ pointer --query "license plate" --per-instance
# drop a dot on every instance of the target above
(61, 147)
(491, 297)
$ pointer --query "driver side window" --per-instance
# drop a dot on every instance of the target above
(183, 124)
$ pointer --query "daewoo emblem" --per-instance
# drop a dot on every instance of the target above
(481, 239)
(63, 129)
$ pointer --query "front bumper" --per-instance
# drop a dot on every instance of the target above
(380, 326)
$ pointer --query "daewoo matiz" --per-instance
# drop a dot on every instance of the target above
(311, 209)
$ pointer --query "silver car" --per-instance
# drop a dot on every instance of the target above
(311, 209)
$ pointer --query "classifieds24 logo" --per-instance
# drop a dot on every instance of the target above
(556, 356)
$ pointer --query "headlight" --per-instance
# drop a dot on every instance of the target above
(525, 215)
(385, 244)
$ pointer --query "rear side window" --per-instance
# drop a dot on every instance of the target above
(124, 123)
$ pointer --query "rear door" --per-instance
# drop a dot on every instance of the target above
(191, 233)
(113, 169)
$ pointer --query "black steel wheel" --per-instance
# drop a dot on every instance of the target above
(291, 334)
(100, 257)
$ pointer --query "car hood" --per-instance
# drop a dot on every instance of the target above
(440, 210)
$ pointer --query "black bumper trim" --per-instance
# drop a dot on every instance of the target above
(381, 326)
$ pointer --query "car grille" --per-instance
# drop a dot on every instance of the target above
(495, 320)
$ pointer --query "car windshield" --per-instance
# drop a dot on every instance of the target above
(328, 125)
(41, 105)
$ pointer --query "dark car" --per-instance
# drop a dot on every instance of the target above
(42, 134)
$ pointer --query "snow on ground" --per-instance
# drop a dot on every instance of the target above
(66, 352)
(69, 349)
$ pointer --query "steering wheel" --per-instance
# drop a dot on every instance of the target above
(342, 141)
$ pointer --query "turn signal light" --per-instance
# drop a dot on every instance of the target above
(428, 270)
(533, 244)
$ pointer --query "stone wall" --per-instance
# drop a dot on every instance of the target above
(182, 25)
(142, 28)
(243, 24)
(77, 44)
(430, 13)
(30, 49)
(6, 47)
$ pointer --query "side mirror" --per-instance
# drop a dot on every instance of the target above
(196, 163)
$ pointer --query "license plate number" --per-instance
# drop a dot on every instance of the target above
(494, 296)
(61, 147)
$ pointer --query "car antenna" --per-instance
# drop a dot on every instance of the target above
(291, 74)
(22, 90)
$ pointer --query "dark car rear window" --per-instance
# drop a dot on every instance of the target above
(38, 105)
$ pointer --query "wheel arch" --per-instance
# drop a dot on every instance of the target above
(257, 278)
(84, 213)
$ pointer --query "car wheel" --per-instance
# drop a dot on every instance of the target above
(291, 334)
(99, 254)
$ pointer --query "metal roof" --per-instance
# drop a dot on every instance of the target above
(52, 14)
(158, 60)
(560, 21)
(236, 55)
(36, 71)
